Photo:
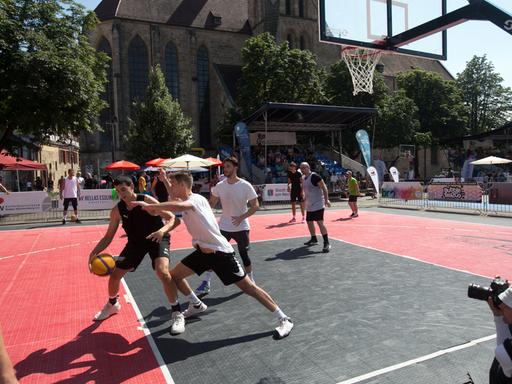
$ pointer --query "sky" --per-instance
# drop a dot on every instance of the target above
(464, 41)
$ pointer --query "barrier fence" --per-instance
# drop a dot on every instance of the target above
(489, 199)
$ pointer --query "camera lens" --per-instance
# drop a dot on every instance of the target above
(477, 292)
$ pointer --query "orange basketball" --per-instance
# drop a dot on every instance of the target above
(103, 264)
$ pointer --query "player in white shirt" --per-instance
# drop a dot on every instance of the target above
(234, 194)
(70, 192)
(212, 250)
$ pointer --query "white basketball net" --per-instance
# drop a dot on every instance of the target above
(361, 64)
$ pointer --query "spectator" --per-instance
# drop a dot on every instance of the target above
(39, 184)
(2, 188)
(80, 179)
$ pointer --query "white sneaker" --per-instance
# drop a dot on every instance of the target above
(284, 328)
(192, 310)
(177, 323)
(107, 311)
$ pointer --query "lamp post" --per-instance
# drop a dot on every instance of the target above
(113, 124)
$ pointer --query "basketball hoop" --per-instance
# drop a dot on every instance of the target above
(361, 63)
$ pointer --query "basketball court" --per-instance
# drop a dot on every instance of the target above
(388, 304)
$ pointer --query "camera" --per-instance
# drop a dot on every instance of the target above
(478, 292)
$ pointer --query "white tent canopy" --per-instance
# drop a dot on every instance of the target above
(491, 160)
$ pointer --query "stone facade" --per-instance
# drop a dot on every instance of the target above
(218, 27)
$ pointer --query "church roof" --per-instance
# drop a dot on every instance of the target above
(394, 64)
(208, 14)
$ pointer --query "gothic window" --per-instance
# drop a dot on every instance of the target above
(105, 136)
(203, 96)
(288, 7)
(302, 43)
(138, 68)
(301, 8)
(289, 38)
(171, 70)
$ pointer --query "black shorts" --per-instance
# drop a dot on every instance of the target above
(242, 241)
(133, 253)
(225, 265)
(352, 198)
(315, 215)
(296, 195)
(73, 201)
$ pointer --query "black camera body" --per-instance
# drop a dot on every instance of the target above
(478, 292)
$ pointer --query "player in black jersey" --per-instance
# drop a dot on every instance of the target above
(147, 234)
(296, 189)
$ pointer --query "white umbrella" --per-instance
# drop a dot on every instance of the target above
(191, 170)
(186, 161)
(491, 160)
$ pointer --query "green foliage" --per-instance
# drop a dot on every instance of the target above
(397, 121)
(51, 78)
(339, 88)
(488, 102)
(159, 128)
(274, 72)
(441, 110)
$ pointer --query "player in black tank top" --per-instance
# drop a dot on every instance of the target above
(147, 234)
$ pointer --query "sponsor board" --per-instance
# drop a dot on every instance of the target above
(24, 202)
(500, 193)
(94, 199)
(455, 192)
(272, 192)
(273, 138)
(402, 190)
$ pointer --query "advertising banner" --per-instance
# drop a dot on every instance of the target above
(242, 135)
(402, 190)
(455, 192)
(94, 199)
(500, 193)
(24, 202)
(274, 138)
(394, 174)
(273, 192)
(364, 145)
(372, 171)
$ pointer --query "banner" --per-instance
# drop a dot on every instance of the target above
(500, 193)
(375, 178)
(455, 192)
(364, 145)
(273, 138)
(24, 202)
(272, 192)
(242, 135)
(394, 174)
(94, 199)
(402, 190)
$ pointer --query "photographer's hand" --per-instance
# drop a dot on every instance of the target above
(495, 311)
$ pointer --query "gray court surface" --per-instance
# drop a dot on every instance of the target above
(355, 311)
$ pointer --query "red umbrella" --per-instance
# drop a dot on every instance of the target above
(216, 162)
(154, 162)
(123, 165)
(11, 163)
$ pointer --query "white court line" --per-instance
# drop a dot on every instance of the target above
(45, 250)
(412, 258)
(417, 360)
(147, 332)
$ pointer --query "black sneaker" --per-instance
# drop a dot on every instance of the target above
(311, 242)
(78, 221)
(326, 248)
(63, 221)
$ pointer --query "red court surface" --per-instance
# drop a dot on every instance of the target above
(48, 297)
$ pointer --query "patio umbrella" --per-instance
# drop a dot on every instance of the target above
(215, 161)
(186, 161)
(155, 162)
(491, 160)
(123, 165)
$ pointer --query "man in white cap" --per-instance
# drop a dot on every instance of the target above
(501, 369)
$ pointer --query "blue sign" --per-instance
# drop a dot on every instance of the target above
(364, 145)
(244, 142)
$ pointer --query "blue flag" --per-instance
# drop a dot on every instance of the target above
(364, 145)
(242, 135)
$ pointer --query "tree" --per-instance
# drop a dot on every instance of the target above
(274, 72)
(441, 110)
(397, 121)
(489, 103)
(51, 78)
(159, 128)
